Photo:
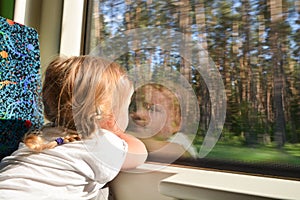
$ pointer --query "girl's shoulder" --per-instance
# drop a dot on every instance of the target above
(106, 142)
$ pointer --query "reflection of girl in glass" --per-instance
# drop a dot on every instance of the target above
(156, 106)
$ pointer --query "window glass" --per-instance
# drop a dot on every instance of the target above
(7, 9)
(254, 47)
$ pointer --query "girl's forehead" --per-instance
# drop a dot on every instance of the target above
(150, 93)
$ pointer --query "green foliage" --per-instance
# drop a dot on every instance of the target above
(230, 138)
(255, 155)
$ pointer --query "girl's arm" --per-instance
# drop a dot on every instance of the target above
(137, 152)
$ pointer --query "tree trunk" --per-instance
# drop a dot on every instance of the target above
(276, 20)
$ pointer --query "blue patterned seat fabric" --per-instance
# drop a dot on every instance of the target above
(20, 84)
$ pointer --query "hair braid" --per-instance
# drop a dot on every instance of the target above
(36, 142)
(72, 138)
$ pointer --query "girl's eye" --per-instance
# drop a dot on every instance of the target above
(149, 106)
(152, 107)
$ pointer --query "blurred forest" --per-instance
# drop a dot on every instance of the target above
(255, 44)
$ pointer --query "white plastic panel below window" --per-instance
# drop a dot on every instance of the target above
(208, 185)
(154, 181)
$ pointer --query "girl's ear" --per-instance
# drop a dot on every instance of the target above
(108, 123)
(111, 125)
(103, 123)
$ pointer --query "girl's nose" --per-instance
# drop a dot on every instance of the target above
(140, 117)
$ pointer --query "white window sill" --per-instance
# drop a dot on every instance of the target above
(192, 184)
(187, 183)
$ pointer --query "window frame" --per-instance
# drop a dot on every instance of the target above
(73, 27)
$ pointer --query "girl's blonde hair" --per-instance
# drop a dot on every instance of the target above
(77, 92)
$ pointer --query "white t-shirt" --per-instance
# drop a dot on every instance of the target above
(75, 170)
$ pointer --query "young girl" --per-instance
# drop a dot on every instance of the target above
(86, 99)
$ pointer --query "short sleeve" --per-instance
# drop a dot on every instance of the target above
(107, 153)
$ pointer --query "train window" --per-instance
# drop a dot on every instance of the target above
(7, 9)
(217, 82)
